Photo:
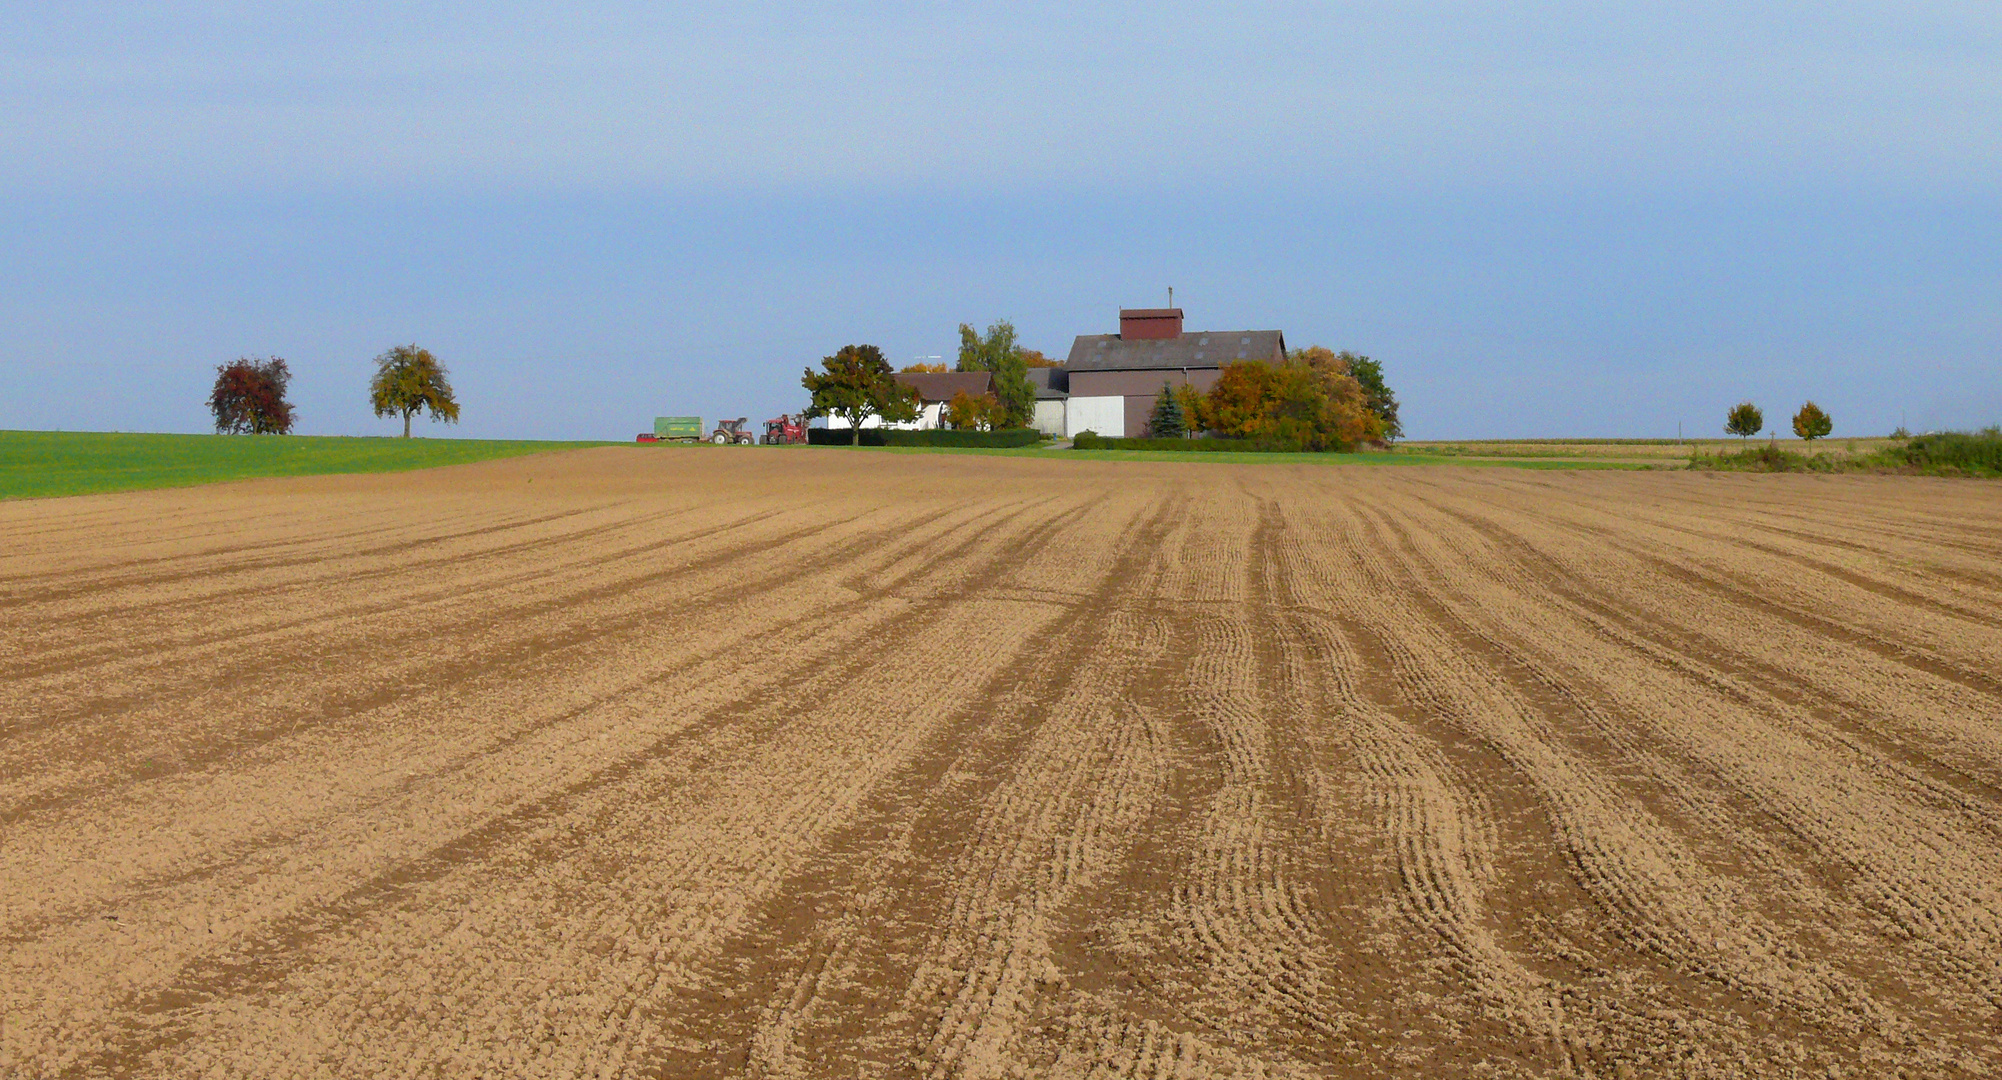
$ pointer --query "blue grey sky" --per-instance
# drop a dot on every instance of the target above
(1553, 219)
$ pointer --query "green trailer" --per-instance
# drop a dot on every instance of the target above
(686, 429)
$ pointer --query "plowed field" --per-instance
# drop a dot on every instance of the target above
(632, 762)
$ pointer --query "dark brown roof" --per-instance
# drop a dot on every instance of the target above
(1110, 352)
(941, 386)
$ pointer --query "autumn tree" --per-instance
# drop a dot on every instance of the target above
(857, 383)
(923, 369)
(998, 353)
(1035, 358)
(1349, 419)
(1354, 381)
(973, 412)
(1253, 399)
(1309, 401)
(1744, 420)
(1194, 409)
(1811, 423)
(249, 397)
(409, 379)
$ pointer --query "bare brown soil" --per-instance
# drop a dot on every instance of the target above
(626, 763)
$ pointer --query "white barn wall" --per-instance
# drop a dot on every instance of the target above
(1049, 418)
(1105, 415)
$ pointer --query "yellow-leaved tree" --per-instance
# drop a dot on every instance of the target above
(409, 379)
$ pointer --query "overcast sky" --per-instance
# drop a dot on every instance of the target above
(1553, 219)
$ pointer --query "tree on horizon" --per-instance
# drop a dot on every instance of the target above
(1811, 423)
(1745, 420)
(249, 397)
(408, 379)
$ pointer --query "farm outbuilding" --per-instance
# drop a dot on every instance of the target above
(1052, 394)
(1113, 380)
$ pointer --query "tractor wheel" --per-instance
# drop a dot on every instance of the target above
(720, 439)
(744, 439)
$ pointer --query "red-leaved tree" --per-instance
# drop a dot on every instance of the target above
(249, 397)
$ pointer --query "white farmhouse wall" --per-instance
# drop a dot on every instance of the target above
(840, 423)
(1105, 415)
(928, 418)
(1049, 417)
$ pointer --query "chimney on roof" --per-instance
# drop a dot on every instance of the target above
(1150, 324)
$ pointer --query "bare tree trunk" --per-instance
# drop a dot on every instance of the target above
(855, 431)
(406, 423)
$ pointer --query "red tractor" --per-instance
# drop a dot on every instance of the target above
(786, 431)
(731, 431)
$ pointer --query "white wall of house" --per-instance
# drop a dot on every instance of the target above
(1105, 415)
(1049, 418)
(928, 418)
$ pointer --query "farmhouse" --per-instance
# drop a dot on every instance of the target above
(935, 389)
(1109, 383)
(1112, 380)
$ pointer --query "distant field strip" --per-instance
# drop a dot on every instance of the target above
(643, 763)
(40, 464)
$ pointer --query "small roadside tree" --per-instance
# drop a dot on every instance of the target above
(998, 353)
(249, 397)
(857, 384)
(1745, 420)
(409, 379)
(1168, 421)
(1811, 423)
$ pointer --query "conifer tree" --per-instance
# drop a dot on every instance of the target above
(1168, 421)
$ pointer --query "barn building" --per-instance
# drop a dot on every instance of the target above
(1112, 380)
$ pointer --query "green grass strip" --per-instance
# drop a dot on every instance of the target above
(46, 464)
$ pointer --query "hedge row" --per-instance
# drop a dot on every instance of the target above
(1088, 440)
(1975, 452)
(898, 437)
(1952, 453)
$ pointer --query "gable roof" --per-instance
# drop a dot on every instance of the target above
(942, 385)
(1208, 349)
